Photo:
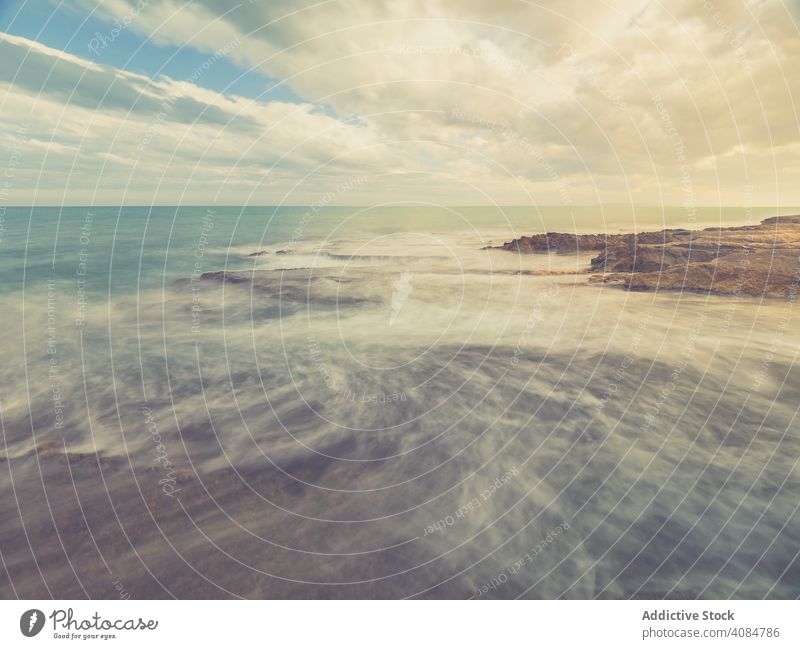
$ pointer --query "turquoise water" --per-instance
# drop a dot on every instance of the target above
(379, 407)
(132, 247)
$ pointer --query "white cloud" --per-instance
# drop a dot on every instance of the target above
(95, 132)
(618, 101)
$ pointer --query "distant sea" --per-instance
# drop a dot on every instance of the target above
(374, 405)
(149, 244)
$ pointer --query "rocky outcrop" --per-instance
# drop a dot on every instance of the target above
(562, 242)
(557, 242)
(755, 273)
(755, 260)
(645, 258)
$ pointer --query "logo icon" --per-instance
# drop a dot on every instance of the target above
(401, 289)
(31, 622)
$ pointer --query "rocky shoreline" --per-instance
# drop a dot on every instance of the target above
(755, 260)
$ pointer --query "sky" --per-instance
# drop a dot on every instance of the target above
(302, 102)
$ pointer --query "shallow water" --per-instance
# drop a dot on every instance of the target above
(385, 410)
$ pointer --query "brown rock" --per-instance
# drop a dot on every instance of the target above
(754, 260)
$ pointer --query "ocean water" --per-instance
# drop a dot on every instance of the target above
(377, 406)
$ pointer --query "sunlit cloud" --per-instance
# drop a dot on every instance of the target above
(504, 102)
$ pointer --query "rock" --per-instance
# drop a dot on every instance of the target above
(644, 258)
(561, 242)
(755, 274)
(224, 276)
(754, 260)
(782, 220)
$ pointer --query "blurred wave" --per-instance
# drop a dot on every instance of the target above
(395, 414)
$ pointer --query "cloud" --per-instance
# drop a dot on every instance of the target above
(92, 128)
(616, 101)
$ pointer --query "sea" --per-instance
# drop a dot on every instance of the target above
(373, 402)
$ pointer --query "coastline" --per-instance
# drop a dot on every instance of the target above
(756, 260)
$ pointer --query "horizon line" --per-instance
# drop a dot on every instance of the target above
(549, 205)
